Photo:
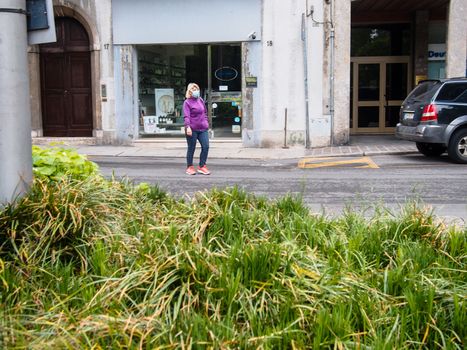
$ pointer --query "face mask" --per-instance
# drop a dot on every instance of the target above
(195, 94)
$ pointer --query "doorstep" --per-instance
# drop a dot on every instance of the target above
(180, 143)
(65, 141)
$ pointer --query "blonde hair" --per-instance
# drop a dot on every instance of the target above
(190, 86)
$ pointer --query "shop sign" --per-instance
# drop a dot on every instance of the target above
(436, 52)
(226, 74)
(251, 82)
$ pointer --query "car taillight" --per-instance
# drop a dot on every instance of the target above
(429, 113)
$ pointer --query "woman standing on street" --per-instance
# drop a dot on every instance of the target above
(196, 128)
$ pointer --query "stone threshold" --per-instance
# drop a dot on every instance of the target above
(66, 141)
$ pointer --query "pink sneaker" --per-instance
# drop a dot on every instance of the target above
(190, 170)
(204, 170)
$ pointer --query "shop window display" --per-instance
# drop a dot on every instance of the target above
(162, 82)
(164, 71)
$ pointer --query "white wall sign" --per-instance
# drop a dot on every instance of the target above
(436, 52)
(182, 21)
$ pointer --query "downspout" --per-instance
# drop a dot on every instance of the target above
(305, 68)
(331, 76)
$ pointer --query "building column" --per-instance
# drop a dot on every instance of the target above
(421, 45)
(126, 92)
(456, 47)
(15, 111)
(342, 26)
(35, 90)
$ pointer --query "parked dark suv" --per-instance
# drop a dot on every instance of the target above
(434, 115)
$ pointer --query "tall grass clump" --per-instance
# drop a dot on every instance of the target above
(96, 264)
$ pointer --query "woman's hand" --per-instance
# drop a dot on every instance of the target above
(188, 131)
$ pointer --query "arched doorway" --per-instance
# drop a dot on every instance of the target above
(66, 82)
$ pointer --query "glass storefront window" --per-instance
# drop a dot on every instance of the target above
(380, 40)
(162, 83)
(164, 71)
(437, 35)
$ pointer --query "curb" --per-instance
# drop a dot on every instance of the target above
(264, 157)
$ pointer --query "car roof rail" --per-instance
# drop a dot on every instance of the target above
(428, 80)
(455, 78)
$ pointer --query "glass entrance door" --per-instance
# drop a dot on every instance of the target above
(225, 90)
(379, 86)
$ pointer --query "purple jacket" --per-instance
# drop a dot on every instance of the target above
(195, 114)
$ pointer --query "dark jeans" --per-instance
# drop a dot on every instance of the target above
(203, 138)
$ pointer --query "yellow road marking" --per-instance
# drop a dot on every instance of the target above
(313, 163)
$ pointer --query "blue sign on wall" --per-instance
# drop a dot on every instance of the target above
(37, 14)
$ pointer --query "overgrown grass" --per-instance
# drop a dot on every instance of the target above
(92, 264)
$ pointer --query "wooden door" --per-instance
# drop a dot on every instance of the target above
(66, 82)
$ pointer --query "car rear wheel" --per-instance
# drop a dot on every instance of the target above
(430, 149)
(457, 149)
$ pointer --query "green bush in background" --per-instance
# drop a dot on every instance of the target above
(56, 162)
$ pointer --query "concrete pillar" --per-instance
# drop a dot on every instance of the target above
(15, 112)
(251, 98)
(126, 85)
(35, 91)
(342, 22)
(456, 39)
(317, 65)
(421, 44)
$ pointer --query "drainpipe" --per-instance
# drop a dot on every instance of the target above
(305, 68)
(331, 76)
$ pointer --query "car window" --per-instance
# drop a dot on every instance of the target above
(424, 91)
(462, 98)
(452, 92)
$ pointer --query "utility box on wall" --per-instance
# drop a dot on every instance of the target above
(40, 21)
(37, 14)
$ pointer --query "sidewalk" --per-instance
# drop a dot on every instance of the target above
(231, 149)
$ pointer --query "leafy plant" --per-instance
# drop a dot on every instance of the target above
(56, 162)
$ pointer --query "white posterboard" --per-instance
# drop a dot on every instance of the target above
(150, 124)
(164, 101)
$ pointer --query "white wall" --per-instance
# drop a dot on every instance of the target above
(283, 74)
(182, 21)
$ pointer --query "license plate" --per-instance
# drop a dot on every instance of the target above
(408, 116)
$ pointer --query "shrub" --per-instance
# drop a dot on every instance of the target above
(100, 264)
(54, 163)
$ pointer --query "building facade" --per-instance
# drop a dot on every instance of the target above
(308, 73)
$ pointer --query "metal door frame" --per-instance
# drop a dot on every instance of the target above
(209, 98)
(382, 103)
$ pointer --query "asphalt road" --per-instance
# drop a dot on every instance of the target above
(327, 186)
